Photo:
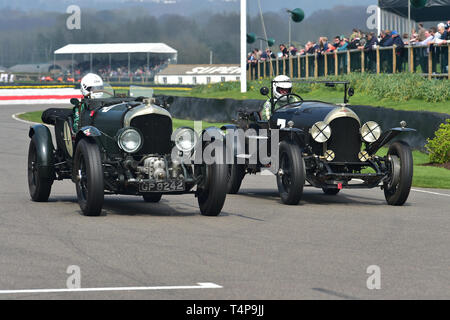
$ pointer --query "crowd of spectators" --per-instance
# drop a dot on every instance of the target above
(432, 38)
(119, 70)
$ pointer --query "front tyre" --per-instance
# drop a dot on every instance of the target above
(291, 176)
(212, 193)
(39, 186)
(152, 197)
(398, 187)
(89, 180)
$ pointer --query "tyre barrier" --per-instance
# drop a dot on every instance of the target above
(225, 110)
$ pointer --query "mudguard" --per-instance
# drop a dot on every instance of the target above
(44, 148)
(295, 135)
(88, 132)
(385, 138)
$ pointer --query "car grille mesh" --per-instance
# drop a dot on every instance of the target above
(345, 139)
(157, 131)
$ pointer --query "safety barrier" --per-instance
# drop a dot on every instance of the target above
(432, 61)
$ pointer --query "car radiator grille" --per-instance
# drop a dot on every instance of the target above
(345, 139)
(157, 131)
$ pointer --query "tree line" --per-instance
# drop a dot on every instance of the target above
(32, 37)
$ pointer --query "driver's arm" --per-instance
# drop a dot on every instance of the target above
(266, 111)
(77, 110)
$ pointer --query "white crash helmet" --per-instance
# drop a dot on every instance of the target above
(282, 85)
(90, 83)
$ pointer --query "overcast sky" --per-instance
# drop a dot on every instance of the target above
(309, 6)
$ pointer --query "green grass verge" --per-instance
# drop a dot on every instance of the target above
(424, 176)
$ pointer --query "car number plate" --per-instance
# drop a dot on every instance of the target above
(167, 186)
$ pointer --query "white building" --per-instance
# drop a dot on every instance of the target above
(188, 74)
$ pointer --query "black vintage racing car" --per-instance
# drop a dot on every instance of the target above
(125, 145)
(325, 145)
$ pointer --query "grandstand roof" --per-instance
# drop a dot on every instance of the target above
(434, 10)
(112, 48)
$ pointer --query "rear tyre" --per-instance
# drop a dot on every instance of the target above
(89, 181)
(291, 176)
(236, 174)
(152, 197)
(397, 189)
(212, 191)
(39, 187)
(331, 191)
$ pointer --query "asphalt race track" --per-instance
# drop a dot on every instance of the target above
(257, 248)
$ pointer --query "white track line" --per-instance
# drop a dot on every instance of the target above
(429, 192)
(417, 190)
(201, 285)
(16, 117)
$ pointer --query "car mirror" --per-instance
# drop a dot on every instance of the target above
(264, 91)
(351, 92)
(74, 101)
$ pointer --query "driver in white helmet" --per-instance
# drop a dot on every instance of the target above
(282, 88)
(90, 84)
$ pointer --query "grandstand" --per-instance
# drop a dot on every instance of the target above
(118, 61)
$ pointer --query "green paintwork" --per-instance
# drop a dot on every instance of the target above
(44, 148)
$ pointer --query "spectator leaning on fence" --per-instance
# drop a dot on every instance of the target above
(293, 51)
(284, 51)
(433, 40)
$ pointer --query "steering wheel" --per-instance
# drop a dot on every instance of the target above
(287, 96)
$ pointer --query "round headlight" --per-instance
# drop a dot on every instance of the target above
(130, 140)
(321, 132)
(185, 139)
(371, 131)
